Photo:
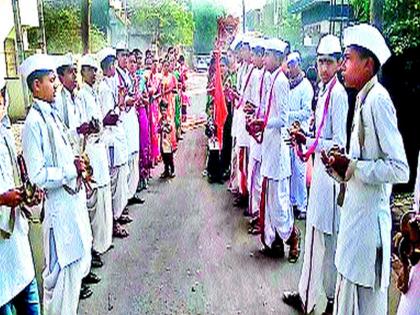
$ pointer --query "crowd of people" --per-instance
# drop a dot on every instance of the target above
(284, 133)
(94, 131)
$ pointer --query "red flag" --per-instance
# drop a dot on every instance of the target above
(220, 109)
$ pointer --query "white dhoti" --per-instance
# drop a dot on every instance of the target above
(62, 284)
(133, 175)
(242, 169)
(318, 270)
(298, 191)
(119, 189)
(99, 205)
(254, 186)
(351, 298)
(278, 214)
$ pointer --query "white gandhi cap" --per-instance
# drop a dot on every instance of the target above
(88, 60)
(105, 52)
(329, 45)
(369, 37)
(276, 44)
(294, 56)
(36, 62)
(64, 60)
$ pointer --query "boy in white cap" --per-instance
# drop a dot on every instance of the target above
(318, 268)
(130, 122)
(301, 95)
(241, 136)
(53, 167)
(99, 201)
(260, 85)
(110, 103)
(376, 160)
(276, 215)
(18, 285)
(73, 115)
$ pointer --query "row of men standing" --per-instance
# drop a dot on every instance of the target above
(83, 151)
(348, 227)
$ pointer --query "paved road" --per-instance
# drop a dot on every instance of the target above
(189, 251)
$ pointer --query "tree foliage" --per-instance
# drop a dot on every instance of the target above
(401, 21)
(62, 31)
(170, 22)
(205, 13)
(279, 22)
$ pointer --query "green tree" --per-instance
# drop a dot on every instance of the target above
(401, 21)
(278, 22)
(169, 22)
(205, 14)
(62, 30)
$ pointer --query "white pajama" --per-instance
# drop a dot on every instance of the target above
(278, 212)
(101, 218)
(62, 284)
(298, 191)
(318, 271)
(119, 189)
(354, 299)
(254, 186)
(133, 175)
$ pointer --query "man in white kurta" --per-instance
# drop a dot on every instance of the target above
(130, 123)
(301, 95)
(277, 216)
(18, 286)
(117, 146)
(376, 161)
(241, 135)
(51, 164)
(99, 200)
(257, 94)
(318, 270)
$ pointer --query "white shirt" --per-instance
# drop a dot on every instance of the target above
(131, 127)
(96, 144)
(72, 114)
(323, 211)
(301, 103)
(242, 136)
(16, 265)
(108, 98)
(260, 88)
(379, 160)
(65, 214)
(275, 160)
(242, 69)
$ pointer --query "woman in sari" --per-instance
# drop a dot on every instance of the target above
(153, 79)
(141, 105)
(169, 85)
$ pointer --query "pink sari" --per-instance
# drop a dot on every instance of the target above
(154, 117)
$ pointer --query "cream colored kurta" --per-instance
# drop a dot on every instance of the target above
(323, 212)
(379, 160)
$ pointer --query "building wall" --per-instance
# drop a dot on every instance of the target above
(29, 17)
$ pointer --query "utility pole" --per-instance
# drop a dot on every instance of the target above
(20, 49)
(243, 17)
(377, 13)
(42, 26)
(85, 27)
(18, 30)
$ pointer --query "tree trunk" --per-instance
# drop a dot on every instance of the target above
(42, 26)
(377, 13)
(85, 25)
